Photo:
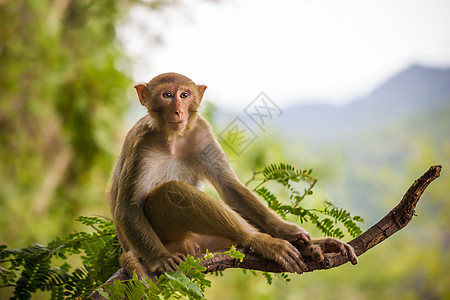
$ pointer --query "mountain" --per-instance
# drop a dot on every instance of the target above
(413, 91)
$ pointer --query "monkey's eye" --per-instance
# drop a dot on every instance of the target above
(184, 95)
(167, 95)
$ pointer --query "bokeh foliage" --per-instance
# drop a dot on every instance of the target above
(62, 102)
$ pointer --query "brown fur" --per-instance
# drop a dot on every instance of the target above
(159, 212)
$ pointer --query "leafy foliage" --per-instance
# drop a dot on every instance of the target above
(326, 219)
(188, 281)
(281, 276)
(30, 269)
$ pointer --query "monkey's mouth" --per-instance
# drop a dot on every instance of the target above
(177, 125)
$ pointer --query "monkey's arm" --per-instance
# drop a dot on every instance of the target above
(244, 201)
(218, 171)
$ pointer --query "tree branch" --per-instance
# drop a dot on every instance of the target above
(395, 220)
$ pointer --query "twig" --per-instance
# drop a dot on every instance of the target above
(305, 194)
(253, 177)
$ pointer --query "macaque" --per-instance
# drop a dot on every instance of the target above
(159, 211)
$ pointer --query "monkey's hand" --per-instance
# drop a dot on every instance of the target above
(290, 232)
(167, 263)
(317, 247)
(283, 252)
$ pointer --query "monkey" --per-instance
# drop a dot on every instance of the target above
(155, 197)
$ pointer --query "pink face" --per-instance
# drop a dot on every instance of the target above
(175, 101)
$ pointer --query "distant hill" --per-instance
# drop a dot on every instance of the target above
(413, 91)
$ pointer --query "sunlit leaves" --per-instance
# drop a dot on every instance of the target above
(326, 219)
(36, 267)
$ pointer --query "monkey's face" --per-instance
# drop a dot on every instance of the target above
(172, 100)
(174, 104)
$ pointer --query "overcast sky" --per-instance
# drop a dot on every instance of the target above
(290, 49)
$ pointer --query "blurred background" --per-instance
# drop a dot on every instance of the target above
(361, 90)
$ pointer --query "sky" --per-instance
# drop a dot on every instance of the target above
(293, 50)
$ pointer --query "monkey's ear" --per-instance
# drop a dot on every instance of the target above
(201, 91)
(142, 92)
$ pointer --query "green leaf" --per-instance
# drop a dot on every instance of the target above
(103, 293)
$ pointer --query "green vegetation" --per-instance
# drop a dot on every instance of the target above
(62, 104)
(287, 175)
(47, 267)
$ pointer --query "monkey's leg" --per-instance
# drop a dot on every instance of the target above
(174, 209)
(196, 244)
(130, 262)
(212, 243)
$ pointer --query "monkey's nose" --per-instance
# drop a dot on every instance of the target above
(179, 115)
